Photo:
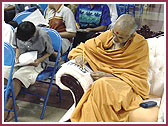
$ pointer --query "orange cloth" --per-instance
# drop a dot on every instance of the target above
(110, 98)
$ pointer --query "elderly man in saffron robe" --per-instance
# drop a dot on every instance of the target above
(119, 58)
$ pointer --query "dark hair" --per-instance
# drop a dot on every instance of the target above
(25, 30)
(14, 24)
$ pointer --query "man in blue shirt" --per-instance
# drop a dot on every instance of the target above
(91, 18)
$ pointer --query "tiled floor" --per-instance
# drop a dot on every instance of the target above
(30, 107)
(30, 112)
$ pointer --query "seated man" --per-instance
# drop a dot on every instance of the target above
(27, 38)
(62, 20)
(119, 58)
(91, 18)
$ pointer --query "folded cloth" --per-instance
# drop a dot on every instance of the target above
(82, 74)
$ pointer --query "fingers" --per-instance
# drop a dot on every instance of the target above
(79, 60)
(97, 75)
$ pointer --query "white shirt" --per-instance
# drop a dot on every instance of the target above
(7, 33)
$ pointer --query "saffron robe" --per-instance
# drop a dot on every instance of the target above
(110, 99)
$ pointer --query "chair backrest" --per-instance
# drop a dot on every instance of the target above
(55, 39)
(20, 16)
(44, 8)
(57, 44)
(31, 9)
(9, 54)
(9, 60)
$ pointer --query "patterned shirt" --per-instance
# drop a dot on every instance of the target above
(88, 17)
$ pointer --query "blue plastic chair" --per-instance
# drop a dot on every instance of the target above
(44, 8)
(9, 60)
(50, 71)
(64, 57)
(31, 9)
(20, 16)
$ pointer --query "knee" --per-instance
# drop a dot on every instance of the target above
(100, 83)
(17, 82)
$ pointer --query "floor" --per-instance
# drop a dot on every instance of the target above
(30, 107)
(30, 112)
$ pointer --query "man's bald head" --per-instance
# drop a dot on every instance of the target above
(124, 28)
(126, 23)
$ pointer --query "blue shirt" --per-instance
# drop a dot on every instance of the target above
(88, 17)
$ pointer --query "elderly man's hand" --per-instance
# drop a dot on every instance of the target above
(79, 60)
(99, 74)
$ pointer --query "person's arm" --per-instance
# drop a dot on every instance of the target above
(100, 28)
(67, 34)
(38, 61)
(17, 55)
(99, 74)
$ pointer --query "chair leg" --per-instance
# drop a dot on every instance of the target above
(45, 102)
(46, 99)
(14, 104)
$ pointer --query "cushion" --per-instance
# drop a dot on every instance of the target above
(156, 65)
(162, 109)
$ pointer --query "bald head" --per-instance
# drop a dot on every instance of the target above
(124, 28)
(126, 23)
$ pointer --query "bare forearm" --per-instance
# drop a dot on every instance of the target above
(100, 28)
(67, 34)
(17, 53)
(44, 57)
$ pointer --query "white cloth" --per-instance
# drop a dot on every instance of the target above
(7, 34)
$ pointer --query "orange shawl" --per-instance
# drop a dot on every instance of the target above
(129, 63)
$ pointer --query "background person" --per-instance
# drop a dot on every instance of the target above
(62, 20)
(92, 18)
